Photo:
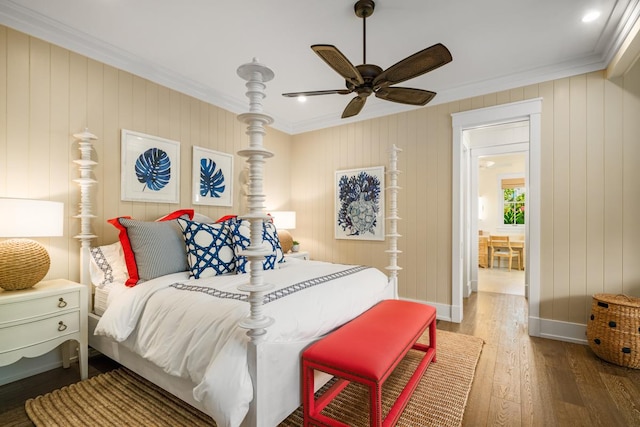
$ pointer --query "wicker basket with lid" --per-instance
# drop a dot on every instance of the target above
(613, 329)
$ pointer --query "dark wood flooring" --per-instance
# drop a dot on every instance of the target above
(520, 381)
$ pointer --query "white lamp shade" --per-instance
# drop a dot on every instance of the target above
(284, 220)
(30, 218)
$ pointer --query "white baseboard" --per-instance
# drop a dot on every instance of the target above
(558, 330)
(443, 311)
(27, 367)
(544, 328)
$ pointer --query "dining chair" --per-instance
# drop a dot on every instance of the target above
(501, 248)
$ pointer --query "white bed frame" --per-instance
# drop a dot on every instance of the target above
(267, 408)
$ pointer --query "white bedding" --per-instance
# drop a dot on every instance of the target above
(194, 335)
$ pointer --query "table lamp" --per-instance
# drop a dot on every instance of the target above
(284, 221)
(25, 262)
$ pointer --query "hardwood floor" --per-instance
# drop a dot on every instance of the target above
(520, 381)
(526, 381)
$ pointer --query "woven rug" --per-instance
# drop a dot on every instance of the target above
(120, 397)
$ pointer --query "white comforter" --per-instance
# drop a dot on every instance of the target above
(194, 335)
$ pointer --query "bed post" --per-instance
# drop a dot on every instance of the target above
(256, 75)
(392, 216)
(85, 165)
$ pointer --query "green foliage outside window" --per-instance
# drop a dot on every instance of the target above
(513, 206)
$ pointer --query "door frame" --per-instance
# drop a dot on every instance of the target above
(530, 110)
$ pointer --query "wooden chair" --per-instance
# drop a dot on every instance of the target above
(501, 248)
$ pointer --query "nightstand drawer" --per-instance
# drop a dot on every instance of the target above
(27, 334)
(29, 309)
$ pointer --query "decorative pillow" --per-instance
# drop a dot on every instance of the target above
(198, 217)
(152, 248)
(107, 265)
(209, 248)
(241, 239)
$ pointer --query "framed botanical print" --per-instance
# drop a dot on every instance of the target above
(212, 177)
(150, 168)
(359, 204)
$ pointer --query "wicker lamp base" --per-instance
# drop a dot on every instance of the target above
(286, 241)
(23, 263)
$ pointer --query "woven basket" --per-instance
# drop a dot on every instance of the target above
(613, 330)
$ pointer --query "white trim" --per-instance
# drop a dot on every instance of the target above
(506, 113)
(558, 330)
(443, 311)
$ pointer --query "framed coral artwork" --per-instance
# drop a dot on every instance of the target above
(212, 182)
(360, 204)
(150, 168)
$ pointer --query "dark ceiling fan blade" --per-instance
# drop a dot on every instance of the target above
(405, 95)
(354, 107)
(336, 60)
(318, 92)
(413, 66)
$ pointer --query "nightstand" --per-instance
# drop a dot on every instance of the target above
(36, 320)
(300, 255)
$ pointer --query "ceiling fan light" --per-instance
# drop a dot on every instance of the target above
(302, 99)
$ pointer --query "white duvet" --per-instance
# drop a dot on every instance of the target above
(192, 334)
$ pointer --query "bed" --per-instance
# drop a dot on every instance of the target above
(229, 344)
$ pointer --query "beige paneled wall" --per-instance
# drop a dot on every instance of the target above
(590, 238)
(48, 93)
(590, 168)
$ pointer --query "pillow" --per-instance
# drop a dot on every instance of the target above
(152, 248)
(209, 248)
(241, 239)
(107, 265)
(198, 217)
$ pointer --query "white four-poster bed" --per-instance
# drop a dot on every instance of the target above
(272, 364)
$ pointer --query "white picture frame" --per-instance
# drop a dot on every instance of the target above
(150, 168)
(359, 204)
(212, 177)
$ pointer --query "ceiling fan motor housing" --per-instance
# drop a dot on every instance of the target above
(364, 8)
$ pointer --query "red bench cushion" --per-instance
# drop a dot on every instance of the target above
(371, 345)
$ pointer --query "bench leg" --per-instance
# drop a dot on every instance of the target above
(308, 400)
(375, 408)
(432, 338)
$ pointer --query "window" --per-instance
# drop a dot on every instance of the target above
(513, 201)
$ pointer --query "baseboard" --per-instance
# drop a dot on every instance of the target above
(558, 330)
(27, 367)
(543, 328)
(443, 311)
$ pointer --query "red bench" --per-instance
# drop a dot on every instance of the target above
(366, 350)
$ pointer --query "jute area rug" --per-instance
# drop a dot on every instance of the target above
(122, 398)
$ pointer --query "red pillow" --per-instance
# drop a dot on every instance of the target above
(129, 255)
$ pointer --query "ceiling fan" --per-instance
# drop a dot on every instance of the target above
(366, 79)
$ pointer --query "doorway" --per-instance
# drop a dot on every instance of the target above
(464, 206)
(501, 193)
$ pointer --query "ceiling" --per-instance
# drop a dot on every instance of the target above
(195, 46)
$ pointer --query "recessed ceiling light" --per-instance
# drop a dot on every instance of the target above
(591, 16)
(302, 99)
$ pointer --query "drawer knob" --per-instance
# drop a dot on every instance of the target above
(61, 326)
(62, 303)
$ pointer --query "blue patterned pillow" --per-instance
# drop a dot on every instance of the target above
(241, 238)
(209, 248)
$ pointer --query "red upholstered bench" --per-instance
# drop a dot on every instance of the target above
(366, 350)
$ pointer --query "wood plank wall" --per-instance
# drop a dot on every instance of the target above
(590, 190)
(590, 168)
(48, 93)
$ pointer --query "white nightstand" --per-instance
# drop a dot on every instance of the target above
(34, 321)
(300, 255)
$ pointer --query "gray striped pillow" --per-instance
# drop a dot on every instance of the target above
(158, 247)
